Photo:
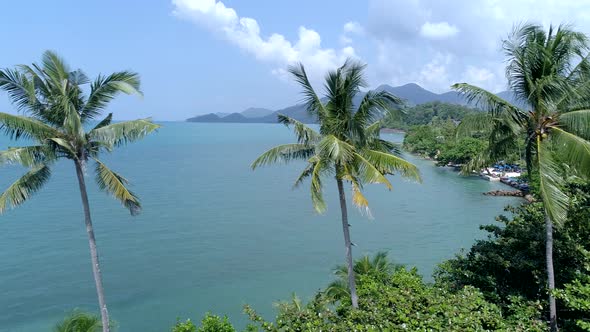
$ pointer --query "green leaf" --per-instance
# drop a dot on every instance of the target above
(317, 197)
(574, 150)
(387, 163)
(310, 98)
(577, 122)
(335, 150)
(105, 88)
(490, 102)
(305, 135)
(551, 183)
(16, 127)
(284, 153)
(27, 156)
(23, 188)
(120, 133)
(368, 173)
(115, 184)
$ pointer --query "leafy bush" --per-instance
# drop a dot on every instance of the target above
(511, 261)
(210, 323)
(401, 301)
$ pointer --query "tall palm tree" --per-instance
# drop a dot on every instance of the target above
(549, 73)
(347, 145)
(56, 115)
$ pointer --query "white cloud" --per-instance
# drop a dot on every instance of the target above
(245, 33)
(408, 35)
(353, 27)
(439, 30)
(436, 73)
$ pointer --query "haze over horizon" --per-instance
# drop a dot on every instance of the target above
(202, 56)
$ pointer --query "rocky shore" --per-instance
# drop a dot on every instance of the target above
(513, 193)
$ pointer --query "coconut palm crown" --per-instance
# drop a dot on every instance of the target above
(347, 145)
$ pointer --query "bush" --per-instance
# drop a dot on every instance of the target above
(401, 301)
(210, 323)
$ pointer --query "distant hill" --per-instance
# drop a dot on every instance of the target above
(256, 112)
(411, 93)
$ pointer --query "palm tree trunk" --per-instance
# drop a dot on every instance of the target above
(550, 272)
(347, 244)
(104, 313)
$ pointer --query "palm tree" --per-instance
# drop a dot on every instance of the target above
(549, 73)
(57, 114)
(347, 145)
(79, 322)
(378, 266)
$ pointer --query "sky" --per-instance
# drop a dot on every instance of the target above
(203, 56)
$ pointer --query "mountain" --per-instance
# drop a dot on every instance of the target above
(256, 112)
(231, 118)
(411, 93)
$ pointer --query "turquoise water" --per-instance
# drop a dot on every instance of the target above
(214, 235)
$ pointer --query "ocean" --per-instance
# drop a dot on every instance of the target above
(215, 235)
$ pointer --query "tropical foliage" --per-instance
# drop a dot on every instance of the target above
(548, 71)
(511, 261)
(79, 321)
(427, 113)
(209, 323)
(397, 299)
(347, 145)
(56, 115)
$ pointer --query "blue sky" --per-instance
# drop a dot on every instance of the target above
(201, 56)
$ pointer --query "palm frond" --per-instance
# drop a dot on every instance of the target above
(307, 171)
(23, 188)
(317, 196)
(16, 127)
(475, 123)
(105, 88)
(574, 150)
(121, 133)
(115, 184)
(284, 153)
(104, 122)
(373, 106)
(79, 322)
(305, 134)
(551, 183)
(577, 122)
(333, 149)
(20, 89)
(55, 67)
(490, 102)
(368, 172)
(27, 156)
(310, 98)
(387, 163)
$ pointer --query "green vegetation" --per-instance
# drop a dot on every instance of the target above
(347, 145)
(511, 261)
(210, 323)
(549, 72)
(393, 298)
(57, 112)
(503, 283)
(79, 322)
(427, 113)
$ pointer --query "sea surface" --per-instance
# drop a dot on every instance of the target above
(214, 235)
